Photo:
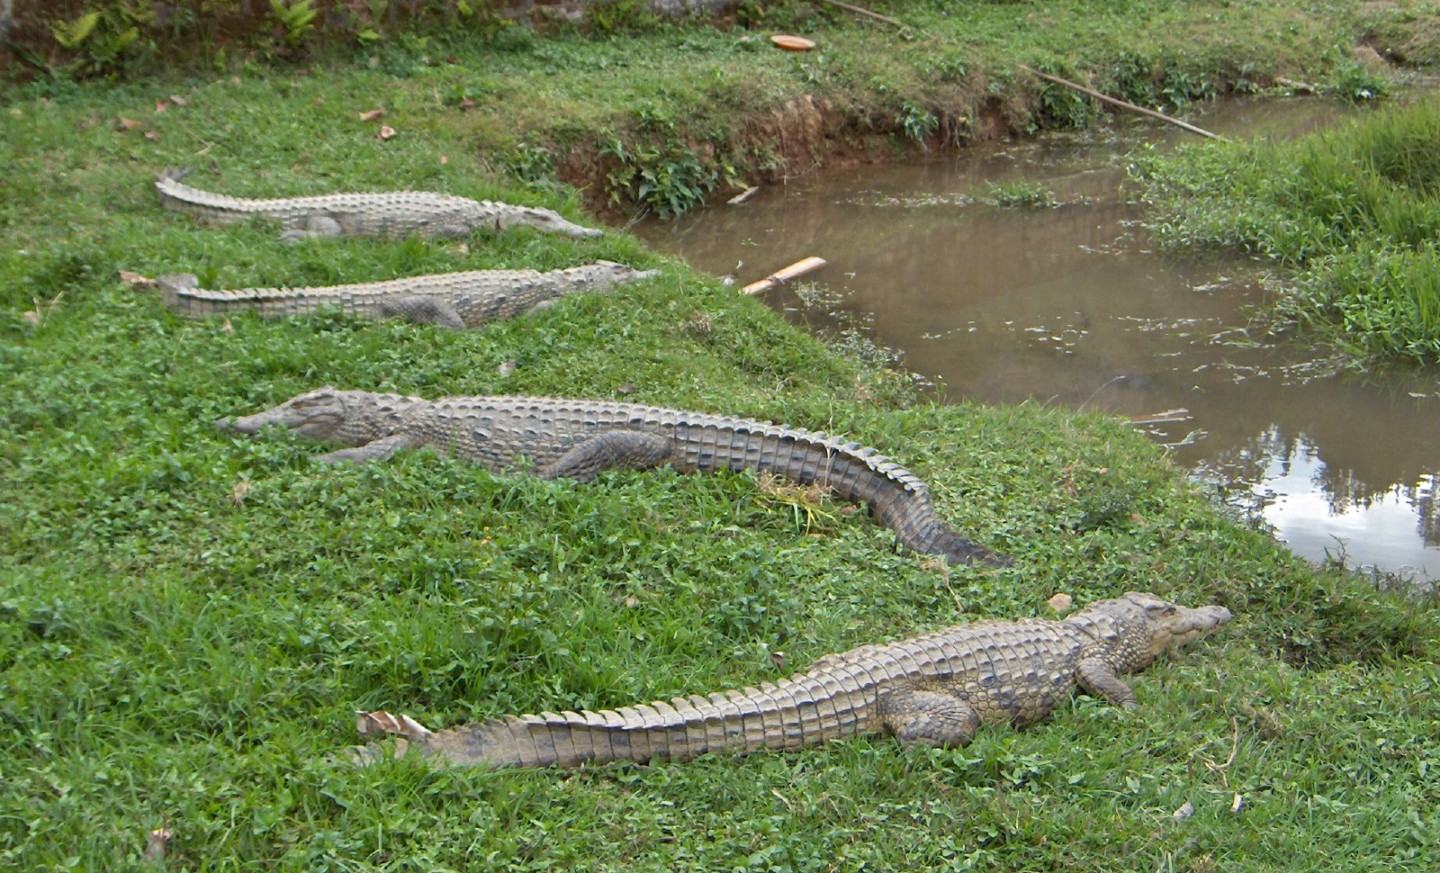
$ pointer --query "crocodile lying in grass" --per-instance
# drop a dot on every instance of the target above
(453, 300)
(579, 439)
(391, 214)
(934, 689)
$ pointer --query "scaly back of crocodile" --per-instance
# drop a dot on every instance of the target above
(838, 697)
(404, 208)
(498, 431)
(935, 689)
(391, 213)
(475, 296)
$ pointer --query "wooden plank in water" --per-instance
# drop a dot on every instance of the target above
(799, 268)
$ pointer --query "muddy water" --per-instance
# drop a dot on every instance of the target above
(1068, 305)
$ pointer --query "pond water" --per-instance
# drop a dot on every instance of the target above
(1069, 305)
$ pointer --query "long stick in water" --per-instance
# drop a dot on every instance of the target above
(1091, 92)
(860, 10)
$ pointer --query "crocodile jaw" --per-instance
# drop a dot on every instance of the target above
(1172, 626)
(546, 220)
(317, 414)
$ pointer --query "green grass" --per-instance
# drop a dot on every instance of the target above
(1354, 212)
(189, 620)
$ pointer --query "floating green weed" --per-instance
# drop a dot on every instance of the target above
(1020, 194)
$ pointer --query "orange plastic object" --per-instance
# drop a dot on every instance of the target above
(793, 43)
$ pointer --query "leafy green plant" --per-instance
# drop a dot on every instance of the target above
(297, 17)
(1355, 83)
(1131, 78)
(103, 37)
(1061, 107)
(670, 178)
(71, 34)
(534, 165)
(916, 121)
(1182, 85)
(620, 16)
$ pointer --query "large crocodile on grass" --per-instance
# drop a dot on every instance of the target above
(933, 690)
(453, 300)
(390, 214)
(579, 439)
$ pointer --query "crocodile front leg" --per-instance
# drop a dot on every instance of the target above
(376, 450)
(1096, 677)
(424, 309)
(613, 450)
(315, 227)
(928, 718)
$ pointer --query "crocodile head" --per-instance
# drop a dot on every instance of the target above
(604, 272)
(1139, 627)
(540, 218)
(317, 414)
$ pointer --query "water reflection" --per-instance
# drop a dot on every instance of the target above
(1327, 511)
(1067, 305)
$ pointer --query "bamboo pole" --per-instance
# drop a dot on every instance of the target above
(1091, 92)
(860, 10)
(799, 268)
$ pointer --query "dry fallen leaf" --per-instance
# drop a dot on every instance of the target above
(226, 327)
(177, 100)
(129, 278)
(386, 131)
(444, 160)
(779, 659)
(156, 842)
(238, 492)
(466, 103)
(151, 135)
(1185, 811)
(161, 105)
(31, 316)
(372, 115)
(1061, 602)
(123, 124)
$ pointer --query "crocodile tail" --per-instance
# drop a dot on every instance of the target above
(898, 498)
(789, 715)
(912, 516)
(202, 205)
(176, 291)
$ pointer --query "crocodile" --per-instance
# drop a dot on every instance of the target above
(389, 214)
(930, 690)
(578, 439)
(451, 300)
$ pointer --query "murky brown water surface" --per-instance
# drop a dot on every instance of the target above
(1068, 305)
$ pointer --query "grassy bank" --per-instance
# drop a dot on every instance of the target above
(188, 621)
(664, 119)
(1354, 212)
